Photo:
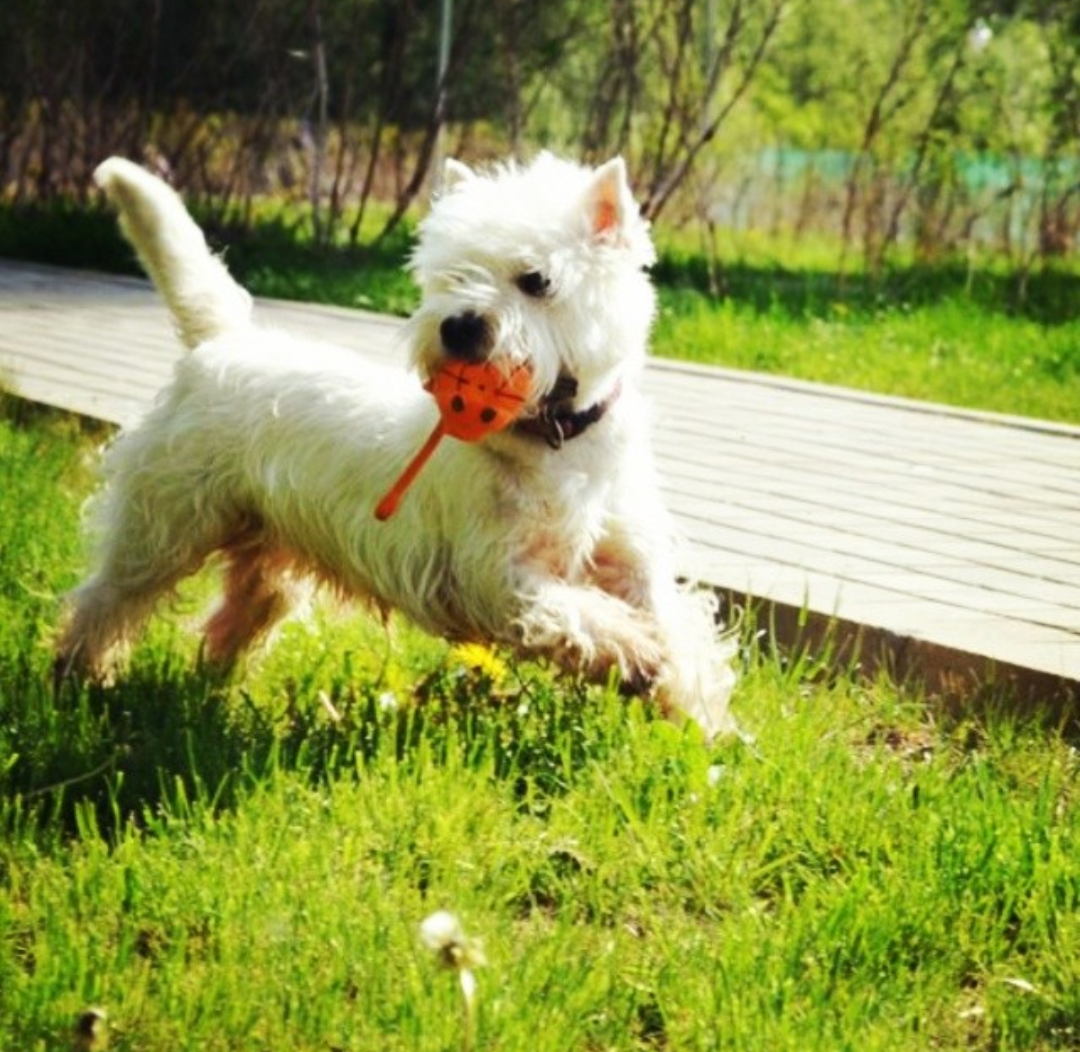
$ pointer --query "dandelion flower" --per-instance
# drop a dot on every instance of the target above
(444, 936)
(478, 658)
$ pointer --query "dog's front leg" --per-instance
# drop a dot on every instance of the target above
(584, 629)
(695, 675)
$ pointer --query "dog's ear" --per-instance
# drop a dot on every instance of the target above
(455, 173)
(609, 201)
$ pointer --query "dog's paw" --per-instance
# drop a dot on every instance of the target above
(73, 664)
(587, 631)
(705, 704)
(699, 676)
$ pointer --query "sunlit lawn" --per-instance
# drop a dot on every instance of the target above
(246, 865)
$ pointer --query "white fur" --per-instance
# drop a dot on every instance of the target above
(275, 450)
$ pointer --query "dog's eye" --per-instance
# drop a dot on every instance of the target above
(533, 283)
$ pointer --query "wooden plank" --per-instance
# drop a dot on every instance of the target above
(925, 542)
(890, 495)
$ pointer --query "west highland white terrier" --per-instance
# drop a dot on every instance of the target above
(549, 537)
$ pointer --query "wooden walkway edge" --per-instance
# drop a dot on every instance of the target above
(945, 543)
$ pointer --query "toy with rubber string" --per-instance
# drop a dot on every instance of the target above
(475, 399)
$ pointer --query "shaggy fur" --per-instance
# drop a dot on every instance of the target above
(273, 450)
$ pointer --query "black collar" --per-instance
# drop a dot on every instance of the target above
(556, 421)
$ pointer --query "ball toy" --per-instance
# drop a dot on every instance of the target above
(475, 399)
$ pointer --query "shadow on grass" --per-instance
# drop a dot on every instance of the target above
(165, 735)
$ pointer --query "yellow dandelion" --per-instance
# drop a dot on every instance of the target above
(478, 658)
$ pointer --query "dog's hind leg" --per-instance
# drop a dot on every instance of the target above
(146, 546)
(261, 588)
(109, 609)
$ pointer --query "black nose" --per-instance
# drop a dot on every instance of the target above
(466, 336)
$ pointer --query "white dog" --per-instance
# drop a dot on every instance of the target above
(549, 537)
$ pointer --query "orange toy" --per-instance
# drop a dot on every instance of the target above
(474, 399)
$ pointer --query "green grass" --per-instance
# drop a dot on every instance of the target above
(244, 866)
(951, 352)
(980, 338)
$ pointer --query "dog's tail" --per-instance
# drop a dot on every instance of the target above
(204, 299)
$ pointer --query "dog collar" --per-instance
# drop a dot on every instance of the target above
(556, 421)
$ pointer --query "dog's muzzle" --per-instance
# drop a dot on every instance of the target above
(468, 336)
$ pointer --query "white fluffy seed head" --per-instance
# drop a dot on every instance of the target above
(443, 935)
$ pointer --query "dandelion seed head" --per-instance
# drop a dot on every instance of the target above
(440, 930)
(979, 36)
(443, 935)
(92, 1030)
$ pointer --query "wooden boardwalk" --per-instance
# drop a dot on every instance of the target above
(947, 542)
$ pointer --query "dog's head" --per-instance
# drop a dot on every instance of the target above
(542, 265)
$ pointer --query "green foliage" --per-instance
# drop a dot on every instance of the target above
(273, 260)
(64, 234)
(340, 104)
(245, 864)
(947, 350)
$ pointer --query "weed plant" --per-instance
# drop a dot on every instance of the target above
(245, 864)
